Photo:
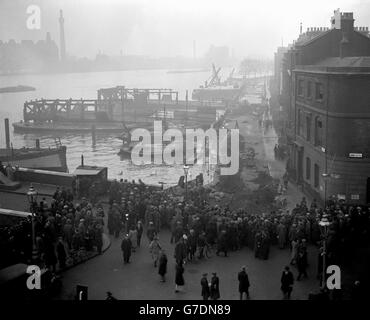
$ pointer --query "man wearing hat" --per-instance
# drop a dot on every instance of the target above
(126, 249)
(215, 287)
(181, 250)
(205, 287)
(243, 283)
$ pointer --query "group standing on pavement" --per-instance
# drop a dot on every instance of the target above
(64, 227)
(196, 224)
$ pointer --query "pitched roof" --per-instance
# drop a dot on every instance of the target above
(308, 37)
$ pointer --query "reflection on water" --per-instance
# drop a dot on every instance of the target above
(85, 85)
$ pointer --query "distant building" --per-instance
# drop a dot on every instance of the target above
(325, 95)
(28, 56)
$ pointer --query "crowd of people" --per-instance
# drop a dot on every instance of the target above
(197, 223)
(62, 230)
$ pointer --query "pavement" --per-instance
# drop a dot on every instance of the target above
(140, 280)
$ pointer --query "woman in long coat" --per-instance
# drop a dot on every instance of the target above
(140, 230)
(132, 235)
(162, 268)
(294, 252)
(155, 249)
(179, 280)
(282, 235)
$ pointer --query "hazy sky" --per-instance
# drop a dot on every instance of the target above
(168, 27)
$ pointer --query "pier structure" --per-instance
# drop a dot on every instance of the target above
(115, 106)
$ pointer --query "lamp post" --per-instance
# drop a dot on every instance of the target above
(126, 227)
(32, 198)
(324, 226)
(186, 172)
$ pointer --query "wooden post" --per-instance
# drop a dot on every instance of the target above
(93, 134)
(7, 135)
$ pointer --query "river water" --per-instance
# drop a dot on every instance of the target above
(85, 85)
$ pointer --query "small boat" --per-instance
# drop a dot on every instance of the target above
(19, 88)
(53, 159)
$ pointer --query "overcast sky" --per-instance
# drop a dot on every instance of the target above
(168, 27)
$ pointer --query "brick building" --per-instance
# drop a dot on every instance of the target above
(325, 96)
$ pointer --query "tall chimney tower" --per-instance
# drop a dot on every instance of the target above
(62, 39)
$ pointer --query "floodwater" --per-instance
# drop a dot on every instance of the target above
(85, 85)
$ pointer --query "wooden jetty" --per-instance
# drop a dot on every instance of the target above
(113, 108)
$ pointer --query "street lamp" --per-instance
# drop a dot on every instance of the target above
(126, 227)
(32, 199)
(186, 172)
(324, 227)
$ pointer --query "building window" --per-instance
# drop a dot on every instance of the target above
(308, 128)
(300, 123)
(318, 131)
(317, 176)
(300, 88)
(319, 92)
(309, 89)
(308, 168)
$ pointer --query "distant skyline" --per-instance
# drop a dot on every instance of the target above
(164, 28)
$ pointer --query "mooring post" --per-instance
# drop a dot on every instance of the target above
(7, 135)
(187, 101)
(93, 134)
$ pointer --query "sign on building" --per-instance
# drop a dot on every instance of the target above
(355, 197)
(355, 155)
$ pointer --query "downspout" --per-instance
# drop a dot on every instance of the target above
(326, 139)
